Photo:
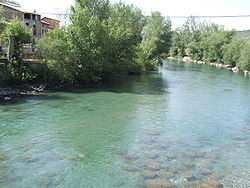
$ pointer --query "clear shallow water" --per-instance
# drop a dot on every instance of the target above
(129, 132)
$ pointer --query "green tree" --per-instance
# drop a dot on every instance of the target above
(244, 60)
(53, 49)
(214, 45)
(125, 29)
(233, 50)
(21, 35)
(156, 40)
(89, 39)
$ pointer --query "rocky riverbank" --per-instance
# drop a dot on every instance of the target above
(11, 95)
(219, 65)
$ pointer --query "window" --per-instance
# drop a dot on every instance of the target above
(33, 17)
(27, 16)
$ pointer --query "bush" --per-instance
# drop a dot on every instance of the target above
(244, 60)
(232, 51)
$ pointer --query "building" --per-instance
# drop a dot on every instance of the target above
(31, 19)
(53, 22)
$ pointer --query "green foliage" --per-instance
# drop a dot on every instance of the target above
(2, 21)
(215, 44)
(232, 51)
(156, 39)
(54, 50)
(201, 41)
(21, 35)
(244, 60)
(125, 36)
(98, 46)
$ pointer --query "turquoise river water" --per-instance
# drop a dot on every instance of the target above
(186, 125)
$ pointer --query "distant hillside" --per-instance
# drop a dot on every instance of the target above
(244, 34)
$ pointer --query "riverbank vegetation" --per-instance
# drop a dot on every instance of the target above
(103, 40)
(211, 43)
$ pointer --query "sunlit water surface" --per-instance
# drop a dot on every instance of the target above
(182, 126)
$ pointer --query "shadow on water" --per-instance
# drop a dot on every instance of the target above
(145, 84)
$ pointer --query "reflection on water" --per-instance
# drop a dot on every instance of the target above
(186, 126)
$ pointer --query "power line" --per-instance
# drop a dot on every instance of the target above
(117, 16)
(172, 17)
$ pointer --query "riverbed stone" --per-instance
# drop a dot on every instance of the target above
(153, 166)
(121, 151)
(211, 184)
(206, 171)
(30, 159)
(160, 146)
(192, 154)
(178, 169)
(132, 156)
(193, 184)
(151, 155)
(235, 69)
(153, 133)
(149, 140)
(217, 176)
(212, 155)
(131, 168)
(148, 174)
(171, 156)
(160, 184)
(2, 157)
(189, 164)
(189, 177)
(240, 138)
(167, 175)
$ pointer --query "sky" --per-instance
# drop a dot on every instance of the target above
(166, 7)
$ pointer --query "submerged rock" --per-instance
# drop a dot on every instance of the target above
(131, 168)
(2, 157)
(212, 156)
(160, 184)
(211, 184)
(121, 151)
(160, 146)
(171, 156)
(167, 175)
(189, 164)
(149, 140)
(148, 174)
(153, 133)
(152, 155)
(206, 171)
(217, 176)
(192, 154)
(132, 156)
(189, 177)
(240, 138)
(193, 184)
(154, 166)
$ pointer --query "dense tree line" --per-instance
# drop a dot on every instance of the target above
(212, 43)
(104, 40)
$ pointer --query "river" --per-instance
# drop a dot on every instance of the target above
(183, 126)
